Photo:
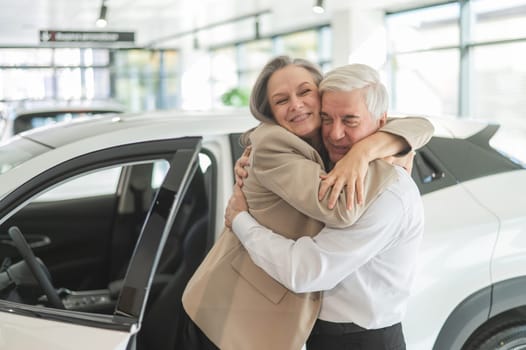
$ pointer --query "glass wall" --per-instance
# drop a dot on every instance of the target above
(54, 73)
(498, 81)
(462, 58)
(234, 68)
(146, 79)
(426, 81)
(252, 56)
(223, 71)
(139, 79)
(424, 59)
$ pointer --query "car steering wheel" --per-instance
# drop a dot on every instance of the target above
(37, 268)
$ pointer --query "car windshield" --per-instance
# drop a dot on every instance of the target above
(16, 151)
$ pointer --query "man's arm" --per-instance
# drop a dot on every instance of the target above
(319, 263)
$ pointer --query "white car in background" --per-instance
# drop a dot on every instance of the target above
(3, 124)
(116, 257)
(30, 115)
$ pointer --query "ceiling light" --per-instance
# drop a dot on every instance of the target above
(101, 21)
(318, 6)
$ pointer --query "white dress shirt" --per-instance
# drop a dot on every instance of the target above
(366, 271)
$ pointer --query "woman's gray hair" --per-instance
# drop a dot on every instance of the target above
(359, 76)
(259, 103)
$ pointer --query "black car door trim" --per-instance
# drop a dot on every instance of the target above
(154, 233)
(111, 322)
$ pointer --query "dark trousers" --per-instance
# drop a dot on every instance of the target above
(349, 336)
(193, 338)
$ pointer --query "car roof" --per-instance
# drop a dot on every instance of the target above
(30, 108)
(68, 140)
(144, 126)
(137, 127)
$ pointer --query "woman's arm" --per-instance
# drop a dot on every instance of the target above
(415, 131)
(290, 168)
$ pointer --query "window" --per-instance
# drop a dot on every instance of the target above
(499, 81)
(235, 68)
(97, 83)
(58, 74)
(67, 57)
(426, 81)
(99, 183)
(146, 79)
(462, 60)
(252, 57)
(301, 44)
(224, 76)
(425, 60)
(424, 28)
(498, 20)
(26, 57)
(69, 84)
(325, 48)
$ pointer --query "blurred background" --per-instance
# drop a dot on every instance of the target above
(457, 58)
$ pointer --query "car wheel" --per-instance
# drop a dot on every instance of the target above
(505, 332)
(513, 338)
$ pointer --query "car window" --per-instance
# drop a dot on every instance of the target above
(204, 162)
(78, 216)
(159, 172)
(161, 168)
(98, 183)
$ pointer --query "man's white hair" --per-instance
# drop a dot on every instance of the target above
(359, 76)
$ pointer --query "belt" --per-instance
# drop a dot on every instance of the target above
(338, 328)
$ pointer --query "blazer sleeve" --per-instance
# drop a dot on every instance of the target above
(417, 131)
(290, 168)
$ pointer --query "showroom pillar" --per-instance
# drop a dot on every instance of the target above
(361, 37)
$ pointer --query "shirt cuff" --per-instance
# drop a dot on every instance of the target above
(242, 224)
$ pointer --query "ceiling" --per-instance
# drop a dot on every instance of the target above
(154, 21)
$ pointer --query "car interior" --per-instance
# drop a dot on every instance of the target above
(83, 243)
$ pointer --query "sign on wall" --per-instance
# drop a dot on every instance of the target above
(71, 36)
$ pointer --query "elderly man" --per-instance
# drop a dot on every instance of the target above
(366, 270)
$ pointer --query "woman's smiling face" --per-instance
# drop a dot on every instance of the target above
(294, 100)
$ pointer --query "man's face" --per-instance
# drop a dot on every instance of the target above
(345, 121)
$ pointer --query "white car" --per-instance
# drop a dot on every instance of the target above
(42, 113)
(122, 209)
(3, 124)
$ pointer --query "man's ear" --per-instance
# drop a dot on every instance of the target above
(382, 120)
